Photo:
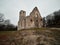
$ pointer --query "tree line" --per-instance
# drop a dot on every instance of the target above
(52, 20)
(5, 24)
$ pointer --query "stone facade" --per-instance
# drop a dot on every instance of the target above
(34, 20)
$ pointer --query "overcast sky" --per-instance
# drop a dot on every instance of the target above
(11, 8)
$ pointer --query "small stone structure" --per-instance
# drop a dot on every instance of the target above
(34, 20)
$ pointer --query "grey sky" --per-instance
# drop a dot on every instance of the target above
(11, 8)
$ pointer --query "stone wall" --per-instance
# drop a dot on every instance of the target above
(34, 20)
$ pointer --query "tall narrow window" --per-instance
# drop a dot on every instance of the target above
(31, 20)
(40, 19)
(36, 15)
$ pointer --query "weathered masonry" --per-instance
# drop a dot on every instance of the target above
(34, 20)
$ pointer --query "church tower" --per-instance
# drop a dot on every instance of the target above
(22, 14)
(21, 22)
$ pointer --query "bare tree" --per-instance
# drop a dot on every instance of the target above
(1, 18)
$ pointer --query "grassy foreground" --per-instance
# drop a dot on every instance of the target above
(15, 36)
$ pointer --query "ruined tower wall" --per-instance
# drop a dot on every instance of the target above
(22, 21)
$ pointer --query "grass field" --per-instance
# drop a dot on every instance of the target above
(13, 35)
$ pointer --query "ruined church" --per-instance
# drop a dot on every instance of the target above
(34, 20)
